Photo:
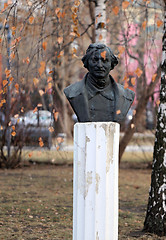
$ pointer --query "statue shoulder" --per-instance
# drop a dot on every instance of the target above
(74, 89)
(127, 93)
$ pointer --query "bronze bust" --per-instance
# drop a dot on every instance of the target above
(98, 98)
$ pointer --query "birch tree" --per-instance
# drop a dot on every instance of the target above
(155, 221)
(100, 21)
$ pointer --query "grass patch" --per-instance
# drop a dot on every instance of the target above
(48, 156)
(36, 203)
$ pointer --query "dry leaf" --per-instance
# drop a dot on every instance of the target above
(13, 134)
(7, 72)
(144, 25)
(27, 60)
(126, 85)
(77, 3)
(12, 55)
(5, 82)
(121, 49)
(138, 72)
(31, 19)
(13, 127)
(159, 23)
(133, 81)
(17, 86)
(41, 144)
(154, 77)
(60, 40)
(42, 67)
(41, 92)
(57, 10)
(100, 37)
(35, 110)
(51, 129)
(115, 10)
(30, 155)
(158, 102)
(44, 45)
(56, 114)
(125, 4)
(35, 81)
(118, 112)
(103, 54)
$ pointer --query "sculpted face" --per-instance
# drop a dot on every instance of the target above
(99, 64)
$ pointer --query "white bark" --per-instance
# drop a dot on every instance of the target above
(100, 22)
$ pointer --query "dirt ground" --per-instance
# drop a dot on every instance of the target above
(36, 202)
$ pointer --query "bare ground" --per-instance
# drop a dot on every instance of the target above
(36, 202)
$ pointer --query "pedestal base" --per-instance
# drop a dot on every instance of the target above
(95, 198)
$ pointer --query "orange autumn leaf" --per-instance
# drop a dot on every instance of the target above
(11, 79)
(125, 4)
(154, 77)
(41, 144)
(144, 25)
(118, 112)
(49, 79)
(5, 82)
(100, 37)
(9, 2)
(44, 45)
(133, 81)
(103, 55)
(30, 154)
(60, 54)
(77, 3)
(31, 19)
(35, 110)
(57, 10)
(35, 81)
(27, 60)
(138, 72)
(57, 148)
(56, 114)
(13, 133)
(158, 102)
(60, 40)
(115, 10)
(7, 72)
(121, 49)
(159, 23)
(51, 129)
(13, 127)
(12, 55)
(41, 92)
(126, 85)
(17, 86)
(42, 67)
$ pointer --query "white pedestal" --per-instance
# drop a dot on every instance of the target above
(95, 198)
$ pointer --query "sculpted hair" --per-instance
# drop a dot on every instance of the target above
(94, 47)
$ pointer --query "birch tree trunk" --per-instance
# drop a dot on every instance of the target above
(100, 21)
(155, 221)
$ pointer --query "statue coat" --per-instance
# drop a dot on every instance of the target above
(77, 96)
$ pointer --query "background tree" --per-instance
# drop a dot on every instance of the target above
(155, 221)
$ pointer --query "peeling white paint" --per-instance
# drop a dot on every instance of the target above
(164, 162)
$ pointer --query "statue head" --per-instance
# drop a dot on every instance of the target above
(99, 60)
